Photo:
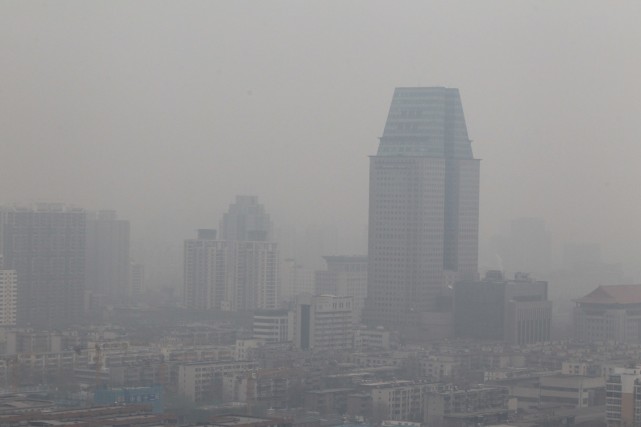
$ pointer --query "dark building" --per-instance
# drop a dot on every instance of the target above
(516, 311)
(423, 209)
(46, 247)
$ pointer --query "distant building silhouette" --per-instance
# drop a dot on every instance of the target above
(526, 248)
(515, 311)
(423, 209)
(136, 279)
(238, 273)
(8, 297)
(107, 257)
(345, 276)
(45, 245)
(246, 220)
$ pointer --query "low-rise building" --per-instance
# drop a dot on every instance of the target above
(609, 313)
(323, 323)
(203, 381)
(273, 326)
(469, 406)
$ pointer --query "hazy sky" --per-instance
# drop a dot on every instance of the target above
(166, 110)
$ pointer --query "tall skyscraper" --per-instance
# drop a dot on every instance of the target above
(46, 247)
(423, 209)
(107, 255)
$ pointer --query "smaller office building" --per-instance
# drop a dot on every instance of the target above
(515, 311)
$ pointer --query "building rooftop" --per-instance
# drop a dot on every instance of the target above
(426, 121)
(613, 294)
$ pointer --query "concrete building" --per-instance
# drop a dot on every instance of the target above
(400, 400)
(609, 313)
(345, 276)
(45, 245)
(467, 406)
(423, 210)
(372, 339)
(329, 401)
(107, 257)
(516, 311)
(8, 297)
(268, 387)
(203, 381)
(230, 275)
(623, 398)
(323, 322)
(273, 326)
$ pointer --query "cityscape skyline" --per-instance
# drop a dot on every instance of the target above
(128, 108)
(202, 223)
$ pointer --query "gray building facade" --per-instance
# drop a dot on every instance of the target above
(423, 209)
(515, 311)
(45, 245)
(107, 255)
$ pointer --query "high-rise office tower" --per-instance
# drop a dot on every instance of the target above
(107, 255)
(423, 209)
(46, 247)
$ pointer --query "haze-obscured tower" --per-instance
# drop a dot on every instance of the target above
(246, 220)
(46, 247)
(423, 209)
(108, 262)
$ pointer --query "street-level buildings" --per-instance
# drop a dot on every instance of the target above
(203, 381)
(423, 209)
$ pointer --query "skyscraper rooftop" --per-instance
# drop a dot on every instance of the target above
(426, 121)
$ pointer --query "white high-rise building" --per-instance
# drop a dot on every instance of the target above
(8, 297)
(239, 272)
(230, 275)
